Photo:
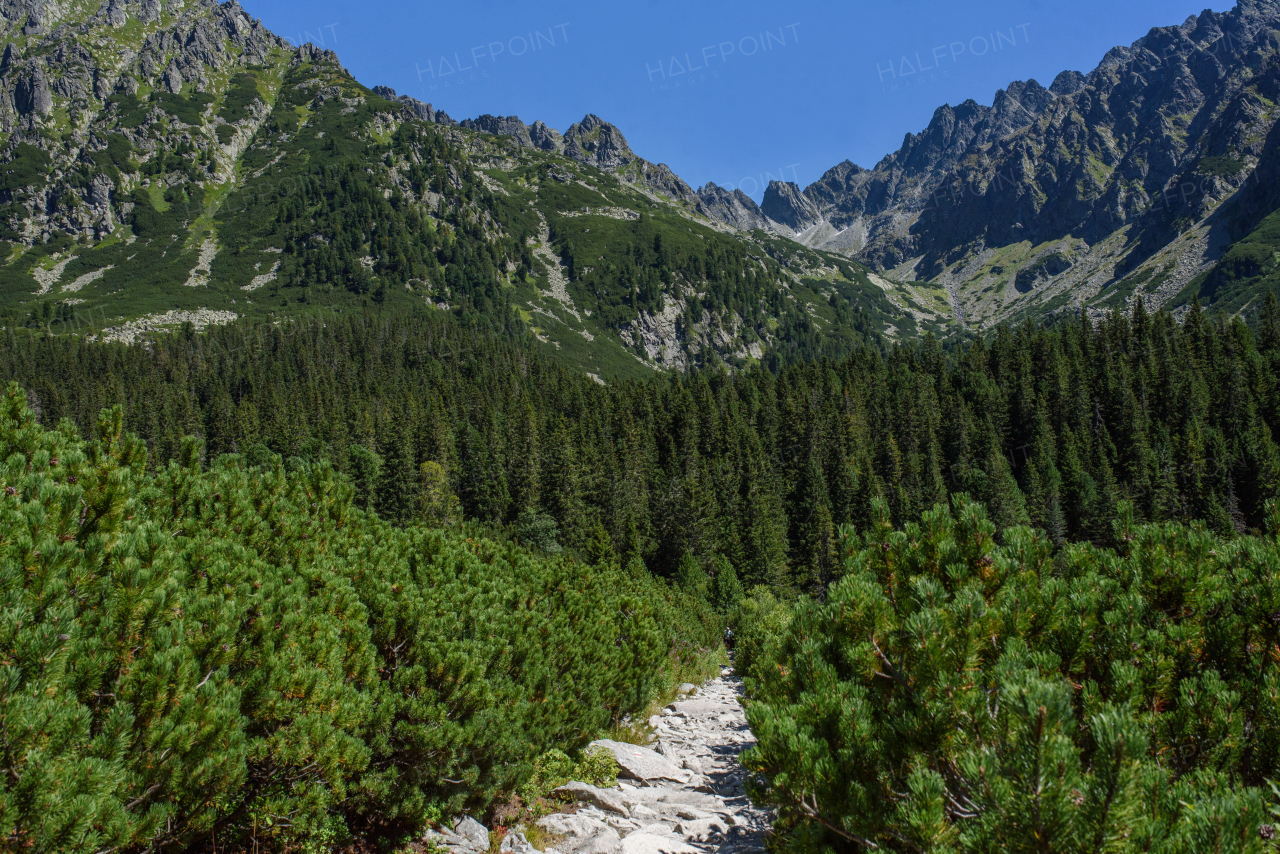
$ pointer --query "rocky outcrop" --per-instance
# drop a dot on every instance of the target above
(1106, 151)
(784, 203)
(501, 126)
(734, 208)
(414, 107)
(659, 178)
(545, 138)
(60, 72)
(592, 141)
(31, 92)
(1108, 154)
(598, 143)
(1149, 143)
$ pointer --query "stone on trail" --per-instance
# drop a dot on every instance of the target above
(641, 763)
(515, 843)
(472, 831)
(689, 708)
(609, 800)
(686, 688)
(604, 842)
(702, 829)
(650, 843)
(577, 826)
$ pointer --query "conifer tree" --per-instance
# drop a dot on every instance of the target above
(726, 589)
(599, 549)
(437, 505)
(692, 578)
(366, 473)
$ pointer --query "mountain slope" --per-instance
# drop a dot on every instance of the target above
(159, 167)
(1127, 181)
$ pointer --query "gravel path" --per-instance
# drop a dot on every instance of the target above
(705, 734)
(683, 794)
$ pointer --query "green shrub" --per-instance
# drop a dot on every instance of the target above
(758, 622)
(952, 694)
(538, 530)
(242, 91)
(29, 167)
(554, 768)
(243, 650)
(1221, 166)
(187, 108)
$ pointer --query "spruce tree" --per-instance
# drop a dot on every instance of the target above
(726, 589)
(366, 473)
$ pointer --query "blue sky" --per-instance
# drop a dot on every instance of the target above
(730, 92)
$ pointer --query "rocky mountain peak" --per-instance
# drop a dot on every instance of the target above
(784, 203)
(548, 139)
(1184, 108)
(598, 143)
(1067, 83)
(733, 207)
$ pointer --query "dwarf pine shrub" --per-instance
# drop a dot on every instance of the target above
(955, 693)
(208, 653)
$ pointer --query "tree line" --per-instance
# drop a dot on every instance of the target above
(1051, 427)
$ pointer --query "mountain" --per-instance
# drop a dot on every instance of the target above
(161, 165)
(1140, 178)
(169, 164)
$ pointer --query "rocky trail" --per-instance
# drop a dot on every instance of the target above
(683, 794)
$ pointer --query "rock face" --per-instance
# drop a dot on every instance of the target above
(609, 800)
(1103, 154)
(734, 208)
(57, 71)
(598, 143)
(545, 138)
(1150, 142)
(509, 126)
(473, 831)
(784, 203)
(592, 141)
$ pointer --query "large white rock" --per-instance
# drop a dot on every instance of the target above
(606, 841)
(577, 827)
(606, 799)
(649, 843)
(641, 763)
(473, 831)
(689, 708)
(451, 841)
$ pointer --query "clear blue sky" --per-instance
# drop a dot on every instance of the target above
(730, 92)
